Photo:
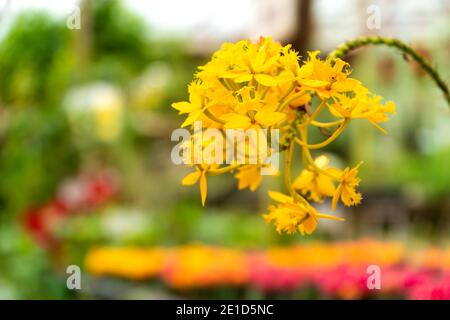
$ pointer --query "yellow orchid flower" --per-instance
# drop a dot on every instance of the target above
(193, 177)
(325, 77)
(316, 183)
(290, 216)
(363, 106)
(249, 177)
(346, 190)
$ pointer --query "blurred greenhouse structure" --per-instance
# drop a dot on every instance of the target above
(86, 176)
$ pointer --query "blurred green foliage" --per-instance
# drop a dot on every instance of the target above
(40, 61)
(28, 54)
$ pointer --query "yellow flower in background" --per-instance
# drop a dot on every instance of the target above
(108, 121)
(314, 183)
(346, 190)
(95, 110)
(290, 216)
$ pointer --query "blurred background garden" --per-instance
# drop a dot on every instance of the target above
(86, 177)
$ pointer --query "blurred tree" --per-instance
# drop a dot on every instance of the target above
(301, 38)
(27, 54)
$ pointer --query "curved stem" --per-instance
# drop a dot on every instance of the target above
(294, 97)
(343, 49)
(287, 174)
(266, 89)
(225, 84)
(326, 124)
(326, 142)
(305, 151)
(315, 114)
(308, 157)
(288, 91)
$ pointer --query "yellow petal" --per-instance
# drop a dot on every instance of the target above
(285, 77)
(390, 107)
(310, 225)
(350, 197)
(249, 177)
(303, 180)
(327, 216)
(325, 185)
(183, 107)
(335, 172)
(313, 83)
(255, 183)
(279, 197)
(336, 196)
(236, 121)
(243, 78)
(203, 188)
(191, 178)
(193, 116)
(306, 70)
(346, 85)
(338, 111)
(266, 80)
(302, 100)
(269, 118)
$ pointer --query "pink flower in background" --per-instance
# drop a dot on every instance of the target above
(437, 288)
(269, 277)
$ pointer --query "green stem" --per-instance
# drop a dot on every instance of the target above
(287, 169)
(292, 98)
(315, 114)
(348, 46)
(323, 144)
(287, 174)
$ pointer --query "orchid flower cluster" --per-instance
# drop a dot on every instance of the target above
(264, 85)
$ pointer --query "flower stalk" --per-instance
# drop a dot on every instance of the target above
(344, 49)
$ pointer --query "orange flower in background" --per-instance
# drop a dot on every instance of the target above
(194, 266)
(131, 263)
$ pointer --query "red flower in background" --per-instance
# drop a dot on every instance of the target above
(73, 197)
(40, 222)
